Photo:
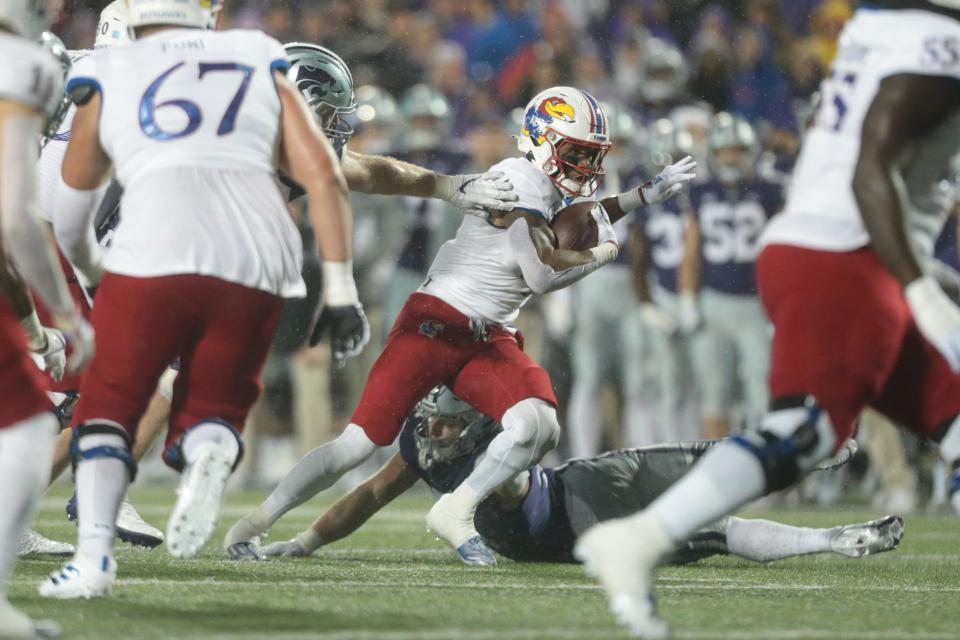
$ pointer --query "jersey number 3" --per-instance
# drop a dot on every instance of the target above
(149, 105)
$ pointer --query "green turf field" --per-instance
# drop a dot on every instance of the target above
(392, 581)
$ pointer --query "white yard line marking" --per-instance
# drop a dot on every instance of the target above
(664, 585)
(556, 632)
(58, 505)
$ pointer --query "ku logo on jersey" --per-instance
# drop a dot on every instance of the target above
(536, 120)
(431, 328)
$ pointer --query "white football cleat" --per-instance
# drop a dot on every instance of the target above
(457, 529)
(134, 529)
(16, 624)
(622, 555)
(199, 498)
(32, 543)
(876, 536)
(82, 577)
(242, 541)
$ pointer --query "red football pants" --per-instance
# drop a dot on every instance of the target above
(844, 334)
(21, 386)
(220, 331)
(432, 343)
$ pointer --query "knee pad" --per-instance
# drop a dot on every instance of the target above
(533, 423)
(102, 427)
(791, 439)
(173, 454)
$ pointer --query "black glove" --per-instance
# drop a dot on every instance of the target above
(348, 327)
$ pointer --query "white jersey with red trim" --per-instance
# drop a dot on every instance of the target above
(821, 211)
(191, 120)
(476, 272)
(30, 76)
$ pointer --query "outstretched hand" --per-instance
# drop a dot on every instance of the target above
(669, 182)
(479, 194)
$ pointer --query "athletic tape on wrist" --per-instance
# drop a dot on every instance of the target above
(339, 289)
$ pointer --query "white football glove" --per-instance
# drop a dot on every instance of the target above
(652, 316)
(295, 548)
(937, 318)
(477, 194)
(79, 335)
(54, 353)
(688, 313)
(668, 182)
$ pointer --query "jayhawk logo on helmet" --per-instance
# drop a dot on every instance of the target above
(537, 119)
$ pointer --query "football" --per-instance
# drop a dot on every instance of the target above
(575, 227)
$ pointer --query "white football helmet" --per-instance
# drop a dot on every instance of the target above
(428, 118)
(441, 402)
(734, 148)
(565, 133)
(184, 13)
(26, 18)
(112, 30)
(663, 77)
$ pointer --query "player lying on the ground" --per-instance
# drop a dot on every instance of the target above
(537, 516)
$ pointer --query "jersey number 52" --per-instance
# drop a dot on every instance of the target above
(149, 105)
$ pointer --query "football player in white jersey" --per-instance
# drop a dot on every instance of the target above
(195, 123)
(456, 329)
(31, 83)
(843, 277)
(48, 343)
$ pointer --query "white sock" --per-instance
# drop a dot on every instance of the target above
(763, 540)
(101, 486)
(726, 477)
(638, 419)
(209, 434)
(530, 429)
(318, 471)
(584, 425)
(26, 453)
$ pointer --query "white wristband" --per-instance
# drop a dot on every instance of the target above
(630, 200)
(443, 187)
(339, 289)
(605, 252)
(36, 338)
